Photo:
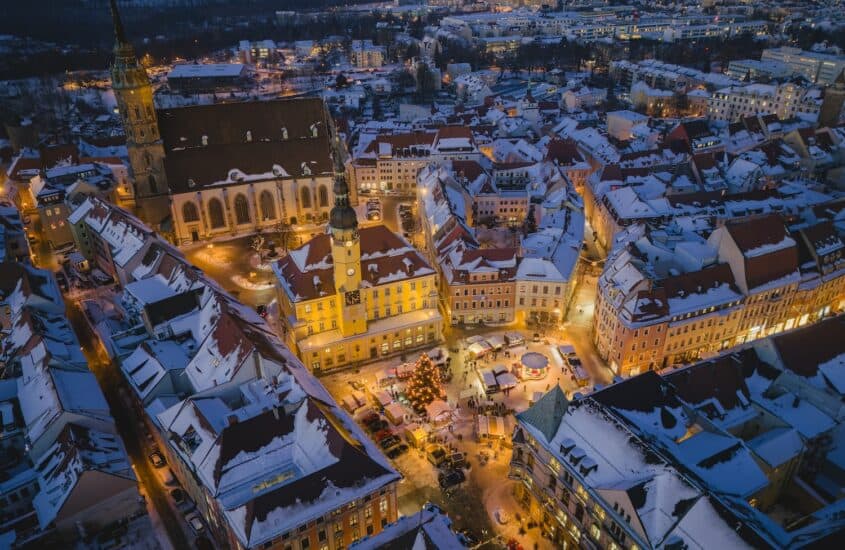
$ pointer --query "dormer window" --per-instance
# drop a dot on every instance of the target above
(284, 133)
(204, 141)
(248, 136)
(314, 130)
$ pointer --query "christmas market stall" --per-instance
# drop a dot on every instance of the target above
(395, 413)
(439, 413)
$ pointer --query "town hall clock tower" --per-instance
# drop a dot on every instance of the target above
(346, 257)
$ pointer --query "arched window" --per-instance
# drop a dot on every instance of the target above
(190, 212)
(306, 197)
(324, 195)
(268, 207)
(215, 213)
(241, 209)
(153, 185)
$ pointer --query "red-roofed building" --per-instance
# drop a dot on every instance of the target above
(356, 295)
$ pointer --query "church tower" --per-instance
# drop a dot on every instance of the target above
(346, 257)
(134, 95)
(834, 98)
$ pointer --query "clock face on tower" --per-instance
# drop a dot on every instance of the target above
(353, 297)
(351, 271)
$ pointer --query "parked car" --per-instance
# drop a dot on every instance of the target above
(157, 459)
(383, 434)
(195, 523)
(436, 454)
(456, 461)
(536, 338)
(377, 426)
(370, 418)
(389, 442)
(451, 478)
(100, 277)
(261, 309)
(396, 450)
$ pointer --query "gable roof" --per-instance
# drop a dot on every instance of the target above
(545, 415)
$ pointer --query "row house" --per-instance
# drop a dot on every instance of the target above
(529, 279)
(732, 437)
(63, 465)
(224, 394)
(390, 162)
(668, 299)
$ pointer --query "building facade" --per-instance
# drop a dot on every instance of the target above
(745, 283)
(356, 295)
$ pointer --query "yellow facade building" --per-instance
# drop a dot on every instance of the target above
(353, 295)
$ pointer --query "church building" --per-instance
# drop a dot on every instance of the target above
(224, 169)
(355, 295)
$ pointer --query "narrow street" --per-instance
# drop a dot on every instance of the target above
(128, 421)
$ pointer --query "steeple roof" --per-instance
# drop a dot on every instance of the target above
(342, 215)
(119, 33)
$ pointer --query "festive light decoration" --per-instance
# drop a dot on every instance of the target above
(424, 386)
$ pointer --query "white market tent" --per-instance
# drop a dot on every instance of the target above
(404, 370)
(497, 341)
(395, 413)
(383, 398)
(438, 411)
(491, 426)
(506, 380)
(386, 377)
(514, 339)
(477, 349)
(489, 380)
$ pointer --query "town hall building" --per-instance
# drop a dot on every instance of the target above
(354, 295)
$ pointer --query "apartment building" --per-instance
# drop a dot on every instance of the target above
(819, 68)
(665, 299)
(365, 55)
(63, 466)
(390, 162)
(721, 447)
(786, 100)
(258, 445)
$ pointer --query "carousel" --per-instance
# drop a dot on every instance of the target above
(534, 365)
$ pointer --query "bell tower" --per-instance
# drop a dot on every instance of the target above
(134, 95)
(346, 257)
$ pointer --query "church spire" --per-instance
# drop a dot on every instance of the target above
(119, 33)
(342, 216)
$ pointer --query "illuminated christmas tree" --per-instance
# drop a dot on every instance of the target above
(424, 385)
